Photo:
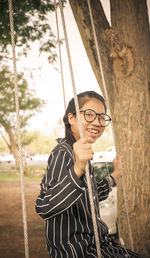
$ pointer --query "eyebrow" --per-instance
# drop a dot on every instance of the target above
(103, 113)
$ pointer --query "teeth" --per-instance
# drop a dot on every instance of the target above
(93, 131)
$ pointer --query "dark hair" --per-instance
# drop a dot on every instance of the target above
(82, 99)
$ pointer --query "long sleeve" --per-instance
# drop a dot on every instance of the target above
(60, 188)
(64, 204)
(103, 188)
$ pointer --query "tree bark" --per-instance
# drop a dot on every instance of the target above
(5, 140)
(125, 54)
(13, 147)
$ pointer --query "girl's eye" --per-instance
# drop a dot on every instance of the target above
(90, 116)
(102, 118)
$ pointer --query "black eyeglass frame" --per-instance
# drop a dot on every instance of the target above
(96, 114)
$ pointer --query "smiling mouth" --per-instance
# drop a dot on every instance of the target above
(93, 131)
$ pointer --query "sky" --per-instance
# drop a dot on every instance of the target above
(47, 81)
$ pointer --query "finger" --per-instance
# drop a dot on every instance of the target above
(87, 156)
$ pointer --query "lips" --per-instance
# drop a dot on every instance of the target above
(94, 131)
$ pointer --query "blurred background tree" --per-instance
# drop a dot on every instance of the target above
(30, 25)
(29, 106)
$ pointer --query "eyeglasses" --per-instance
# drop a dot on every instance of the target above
(90, 116)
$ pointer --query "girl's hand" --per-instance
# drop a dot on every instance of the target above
(83, 152)
(117, 173)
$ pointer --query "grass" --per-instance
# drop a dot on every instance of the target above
(13, 175)
(39, 227)
(9, 177)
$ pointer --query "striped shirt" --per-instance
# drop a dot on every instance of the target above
(64, 204)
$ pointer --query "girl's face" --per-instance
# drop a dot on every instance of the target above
(91, 130)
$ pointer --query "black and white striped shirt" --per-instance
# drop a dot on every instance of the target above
(64, 204)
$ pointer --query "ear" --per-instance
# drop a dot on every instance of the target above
(70, 118)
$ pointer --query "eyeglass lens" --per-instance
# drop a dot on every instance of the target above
(90, 116)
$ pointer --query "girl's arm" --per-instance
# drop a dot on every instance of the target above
(60, 188)
(105, 185)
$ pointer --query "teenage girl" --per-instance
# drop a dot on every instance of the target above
(63, 201)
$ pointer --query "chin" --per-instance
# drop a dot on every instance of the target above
(92, 140)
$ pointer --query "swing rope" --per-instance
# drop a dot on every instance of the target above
(18, 129)
(106, 96)
(60, 56)
(81, 134)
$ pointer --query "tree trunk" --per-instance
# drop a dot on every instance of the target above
(125, 54)
(13, 147)
(5, 140)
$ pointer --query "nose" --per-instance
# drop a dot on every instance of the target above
(96, 121)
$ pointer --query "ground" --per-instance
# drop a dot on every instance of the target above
(11, 222)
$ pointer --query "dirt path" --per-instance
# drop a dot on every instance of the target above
(11, 225)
